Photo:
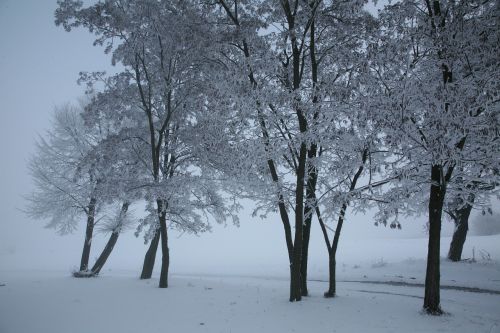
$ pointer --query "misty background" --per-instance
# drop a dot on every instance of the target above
(39, 66)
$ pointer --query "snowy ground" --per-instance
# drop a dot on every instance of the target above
(52, 301)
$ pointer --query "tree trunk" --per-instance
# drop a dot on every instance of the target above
(105, 253)
(165, 259)
(332, 253)
(459, 235)
(149, 258)
(312, 179)
(312, 171)
(295, 283)
(331, 275)
(432, 277)
(306, 235)
(332, 250)
(84, 262)
(111, 242)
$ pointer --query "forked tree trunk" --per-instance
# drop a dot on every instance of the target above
(461, 220)
(149, 258)
(84, 262)
(332, 250)
(165, 258)
(332, 253)
(432, 277)
(113, 238)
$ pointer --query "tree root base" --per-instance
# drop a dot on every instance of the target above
(433, 312)
(84, 274)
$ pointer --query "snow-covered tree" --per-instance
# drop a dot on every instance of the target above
(307, 108)
(289, 79)
(66, 187)
(158, 91)
(436, 66)
(459, 208)
(82, 168)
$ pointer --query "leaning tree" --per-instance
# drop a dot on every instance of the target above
(67, 188)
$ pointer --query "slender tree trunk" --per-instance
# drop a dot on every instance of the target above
(332, 250)
(149, 258)
(459, 235)
(84, 262)
(331, 275)
(111, 242)
(96, 269)
(306, 235)
(432, 277)
(165, 259)
(308, 215)
(312, 171)
(295, 283)
(282, 209)
(332, 253)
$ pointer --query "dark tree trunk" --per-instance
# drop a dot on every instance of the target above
(312, 178)
(308, 215)
(165, 259)
(96, 269)
(282, 209)
(111, 242)
(332, 253)
(432, 277)
(312, 171)
(459, 235)
(295, 282)
(306, 235)
(331, 275)
(149, 258)
(332, 250)
(84, 262)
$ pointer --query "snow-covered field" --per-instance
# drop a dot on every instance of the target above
(51, 301)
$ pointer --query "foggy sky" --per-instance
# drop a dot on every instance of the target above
(39, 65)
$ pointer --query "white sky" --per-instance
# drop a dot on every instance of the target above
(39, 65)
